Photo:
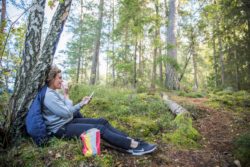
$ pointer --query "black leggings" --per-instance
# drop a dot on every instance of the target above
(79, 124)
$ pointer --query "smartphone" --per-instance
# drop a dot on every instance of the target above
(91, 95)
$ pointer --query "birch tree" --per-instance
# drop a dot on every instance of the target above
(35, 64)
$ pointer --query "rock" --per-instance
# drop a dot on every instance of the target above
(58, 155)
(237, 163)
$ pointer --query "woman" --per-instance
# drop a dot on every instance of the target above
(63, 119)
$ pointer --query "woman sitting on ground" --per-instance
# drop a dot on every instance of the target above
(63, 119)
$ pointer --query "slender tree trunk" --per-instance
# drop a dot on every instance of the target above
(215, 61)
(80, 47)
(97, 45)
(185, 66)
(247, 10)
(221, 62)
(3, 16)
(85, 66)
(171, 76)
(166, 27)
(236, 70)
(107, 71)
(140, 70)
(156, 43)
(82, 69)
(126, 48)
(6, 76)
(135, 58)
(109, 39)
(113, 43)
(34, 68)
(157, 23)
(161, 68)
(78, 66)
(153, 79)
(98, 70)
(194, 55)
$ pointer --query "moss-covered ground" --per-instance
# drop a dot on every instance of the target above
(214, 133)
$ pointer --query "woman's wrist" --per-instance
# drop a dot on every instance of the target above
(82, 103)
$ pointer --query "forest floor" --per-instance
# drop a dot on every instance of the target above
(146, 116)
(218, 128)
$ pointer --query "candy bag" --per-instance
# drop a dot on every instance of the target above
(91, 140)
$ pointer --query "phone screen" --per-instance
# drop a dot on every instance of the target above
(91, 95)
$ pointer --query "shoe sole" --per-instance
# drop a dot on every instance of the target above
(145, 152)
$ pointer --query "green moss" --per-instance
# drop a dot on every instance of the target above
(237, 101)
(191, 94)
(242, 149)
(184, 135)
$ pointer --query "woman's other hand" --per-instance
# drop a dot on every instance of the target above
(85, 100)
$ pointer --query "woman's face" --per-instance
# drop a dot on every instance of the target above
(56, 83)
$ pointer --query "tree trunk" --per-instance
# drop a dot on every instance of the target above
(171, 76)
(156, 43)
(98, 71)
(109, 39)
(31, 47)
(113, 43)
(221, 62)
(215, 61)
(153, 79)
(80, 47)
(78, 66)
(3, 16)
(194, 56)
(247, 4)
(135, 58)
(8, 70)
(236, 70)
(140, 71)
(188, 57)
(166, 27)
(97, 45)
(173, 106)
(82, 70)
(34, 68)
(126, 48)
(157, 24)
(161, 68)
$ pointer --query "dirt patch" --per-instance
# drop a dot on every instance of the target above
(218, 129)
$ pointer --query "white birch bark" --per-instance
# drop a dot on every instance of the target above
(38, 62)
(173, 106)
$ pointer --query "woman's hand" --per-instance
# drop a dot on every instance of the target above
(65, 89)
(85, 100)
